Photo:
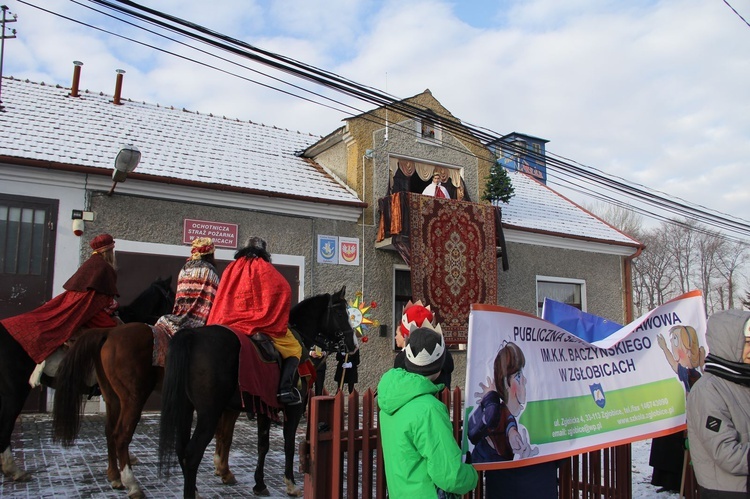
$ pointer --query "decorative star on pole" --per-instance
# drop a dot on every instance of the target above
(359, 316)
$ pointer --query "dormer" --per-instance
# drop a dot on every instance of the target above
(523, 153)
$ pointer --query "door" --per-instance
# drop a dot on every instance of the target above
(27, 250)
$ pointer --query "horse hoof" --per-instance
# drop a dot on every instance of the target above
(229, 479)
(117, 484)
(261, 492)
(133, 459)
(21, 476)
(291, 488)
(137, 495)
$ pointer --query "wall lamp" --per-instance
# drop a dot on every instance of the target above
(125, 162)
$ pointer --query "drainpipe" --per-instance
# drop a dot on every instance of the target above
(628, 284)
(76, 79)
(118, 87)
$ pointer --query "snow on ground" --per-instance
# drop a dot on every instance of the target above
(642, 488)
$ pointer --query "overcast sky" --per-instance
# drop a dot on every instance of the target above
(655, 92)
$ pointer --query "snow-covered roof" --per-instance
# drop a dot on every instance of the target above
(537, 208)
(44, 123)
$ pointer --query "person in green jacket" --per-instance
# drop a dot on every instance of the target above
(419, 451)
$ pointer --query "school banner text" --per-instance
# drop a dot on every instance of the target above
(571, 396)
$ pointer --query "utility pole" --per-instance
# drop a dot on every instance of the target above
(3, 36)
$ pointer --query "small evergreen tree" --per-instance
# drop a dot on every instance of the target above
(498, 186)
(746, 301)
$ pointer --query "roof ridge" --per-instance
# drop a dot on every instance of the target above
(161, 106)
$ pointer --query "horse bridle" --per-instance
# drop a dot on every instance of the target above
(166, 293)
(338, 343)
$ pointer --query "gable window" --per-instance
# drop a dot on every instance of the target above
(570, 291)
(428, 130)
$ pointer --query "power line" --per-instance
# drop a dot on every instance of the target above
(563, 167)
(735, 11)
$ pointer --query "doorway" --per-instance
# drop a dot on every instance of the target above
(27, 253)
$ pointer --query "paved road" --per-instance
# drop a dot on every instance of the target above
(81, 471)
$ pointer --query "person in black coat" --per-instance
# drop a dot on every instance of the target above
(348, 368)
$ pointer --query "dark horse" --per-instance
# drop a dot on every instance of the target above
(202, 375)
(16, 368)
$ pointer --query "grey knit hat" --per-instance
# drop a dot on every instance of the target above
(425, 352)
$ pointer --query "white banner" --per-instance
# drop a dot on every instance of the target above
(536, 393)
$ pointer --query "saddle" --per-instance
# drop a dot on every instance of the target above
(267, 351)
(260, 364)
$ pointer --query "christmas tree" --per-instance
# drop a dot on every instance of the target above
(498, 186)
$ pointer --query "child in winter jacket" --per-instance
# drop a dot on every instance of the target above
(419, 451)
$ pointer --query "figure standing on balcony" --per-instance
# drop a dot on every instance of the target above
(435, 189)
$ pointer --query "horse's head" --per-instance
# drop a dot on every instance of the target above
(155, 301)
(343, 336)
(161, 297)
(323, 320)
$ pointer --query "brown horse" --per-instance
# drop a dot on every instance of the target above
(16, 366)
(122, 359)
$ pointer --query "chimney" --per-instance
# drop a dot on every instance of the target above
(118, 87)
(76, 79)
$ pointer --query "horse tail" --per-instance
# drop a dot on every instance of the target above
(176, 408)
(70, 383)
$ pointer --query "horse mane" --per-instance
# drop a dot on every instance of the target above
(306, 314)
(152, 303)
(312, 304)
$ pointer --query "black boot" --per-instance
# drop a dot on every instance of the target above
(288, 394)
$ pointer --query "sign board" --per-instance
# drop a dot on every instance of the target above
(224, 235)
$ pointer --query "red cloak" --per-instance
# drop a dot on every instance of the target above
(44, 329)
(252, 297)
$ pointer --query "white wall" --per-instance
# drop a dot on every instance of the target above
(68, 190)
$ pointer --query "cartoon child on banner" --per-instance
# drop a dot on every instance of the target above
(686, 359)
(493, 425)
(686, 356)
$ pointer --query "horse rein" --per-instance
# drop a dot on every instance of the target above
(167, 293)
(338, 344)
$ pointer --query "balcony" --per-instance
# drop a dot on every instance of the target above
(452, 249)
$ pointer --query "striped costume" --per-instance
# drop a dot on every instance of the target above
(196, 288)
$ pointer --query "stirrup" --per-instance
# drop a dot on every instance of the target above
(292, 397)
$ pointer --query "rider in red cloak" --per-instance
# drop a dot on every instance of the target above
(88, 301)
(254, 297)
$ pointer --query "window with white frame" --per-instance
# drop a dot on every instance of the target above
(428, 130)
(564, 290)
